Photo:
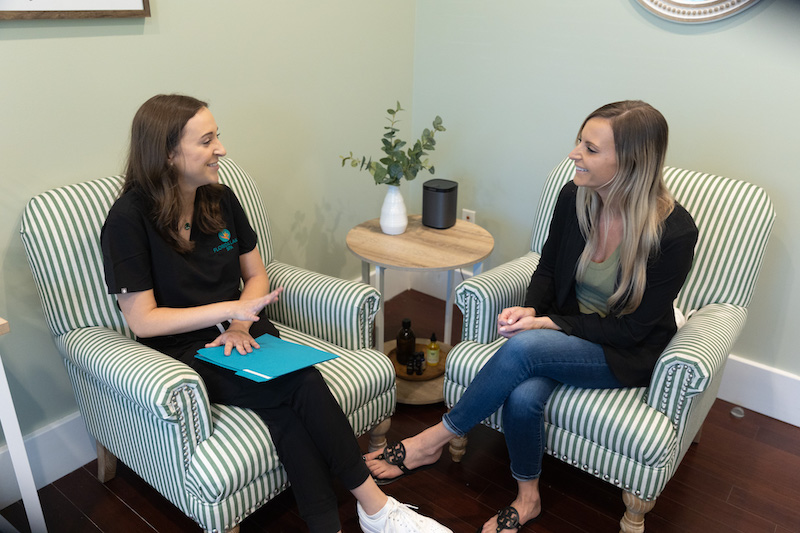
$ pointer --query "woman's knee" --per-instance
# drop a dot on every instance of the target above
(520, 349)
(529, 397)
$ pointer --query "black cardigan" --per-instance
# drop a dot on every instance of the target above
(631, 343)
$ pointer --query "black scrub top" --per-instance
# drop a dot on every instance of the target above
(136, 257)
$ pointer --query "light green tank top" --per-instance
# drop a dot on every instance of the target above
(598, 285)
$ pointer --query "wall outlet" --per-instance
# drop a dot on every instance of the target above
(468, 215)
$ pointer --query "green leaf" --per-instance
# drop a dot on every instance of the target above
(395, 170)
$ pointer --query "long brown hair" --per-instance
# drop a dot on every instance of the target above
(637, 194)
(155, 135)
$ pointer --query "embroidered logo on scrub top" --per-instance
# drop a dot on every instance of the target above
(227, 243)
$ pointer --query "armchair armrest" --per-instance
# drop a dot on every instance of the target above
(482, 297)
(694, 358)
(339, 311)
(159, 384)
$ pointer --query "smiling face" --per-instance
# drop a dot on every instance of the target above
(196, 158)
(595, 155)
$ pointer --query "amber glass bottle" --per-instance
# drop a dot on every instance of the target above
(406, 343)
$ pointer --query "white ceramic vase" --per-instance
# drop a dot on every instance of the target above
(394, 218)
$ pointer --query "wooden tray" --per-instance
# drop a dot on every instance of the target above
(431, 372)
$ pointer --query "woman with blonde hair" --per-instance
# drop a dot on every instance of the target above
(599, 308)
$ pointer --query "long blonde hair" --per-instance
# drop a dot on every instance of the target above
(637, 194)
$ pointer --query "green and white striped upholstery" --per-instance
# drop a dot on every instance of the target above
(635, 438)
(216, 463)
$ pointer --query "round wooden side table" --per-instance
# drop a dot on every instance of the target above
(420, 248)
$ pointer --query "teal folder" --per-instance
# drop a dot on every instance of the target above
(274, 358)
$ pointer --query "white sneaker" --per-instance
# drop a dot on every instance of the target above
(395, 517)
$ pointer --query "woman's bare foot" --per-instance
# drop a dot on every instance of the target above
(525, 515)
(422, 449)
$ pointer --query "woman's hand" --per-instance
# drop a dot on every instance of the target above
(247, 310)
(513, 320)
(235, 338)
(238, 334)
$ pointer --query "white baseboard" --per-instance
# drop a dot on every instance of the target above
(53, 452)
(761, 388)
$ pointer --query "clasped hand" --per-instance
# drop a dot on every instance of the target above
(513, 320)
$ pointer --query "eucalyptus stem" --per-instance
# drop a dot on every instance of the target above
(398, 164)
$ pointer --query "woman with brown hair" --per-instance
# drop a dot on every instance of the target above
(177, 246)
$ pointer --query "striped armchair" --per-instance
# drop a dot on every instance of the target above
(214, 462)
(635, 438)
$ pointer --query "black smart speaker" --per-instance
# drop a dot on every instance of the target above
(439, 198)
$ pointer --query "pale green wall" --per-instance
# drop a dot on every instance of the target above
(292, 84)
(514, 79)
(295, 84)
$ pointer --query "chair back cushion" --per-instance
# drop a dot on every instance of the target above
(246, 191)
(60, 231)
(61, 235)
(734, 219)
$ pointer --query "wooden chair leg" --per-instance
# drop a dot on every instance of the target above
(635, 509)
(106, 464)
(377, 437)
(458, 447)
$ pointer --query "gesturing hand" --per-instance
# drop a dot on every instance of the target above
(248, 310)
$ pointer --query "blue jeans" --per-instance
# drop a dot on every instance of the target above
(520, 377)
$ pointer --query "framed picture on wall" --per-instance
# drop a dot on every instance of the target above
(73, 9)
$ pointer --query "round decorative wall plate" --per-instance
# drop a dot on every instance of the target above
(697, 11)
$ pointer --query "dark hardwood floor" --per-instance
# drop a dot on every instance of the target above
(743, 476)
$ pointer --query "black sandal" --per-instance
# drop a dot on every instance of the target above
(396, 455)
(507, 518)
